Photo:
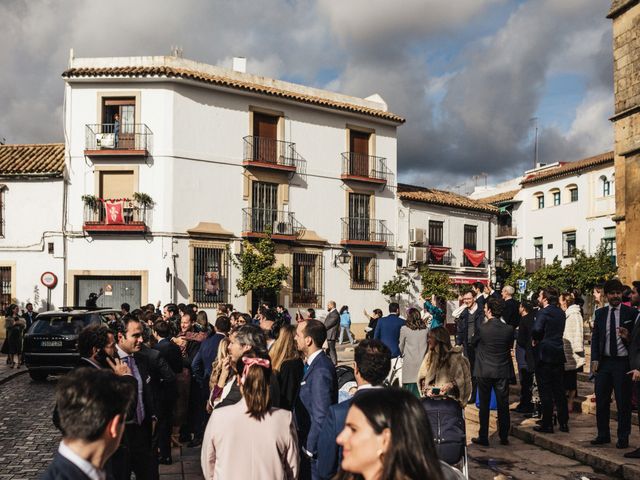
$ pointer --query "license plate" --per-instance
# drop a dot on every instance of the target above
(51, 343)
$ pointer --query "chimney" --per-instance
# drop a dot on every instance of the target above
(240, 64)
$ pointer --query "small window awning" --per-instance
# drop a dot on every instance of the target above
(209, 229)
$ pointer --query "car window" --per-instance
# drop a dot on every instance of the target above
(62, 324)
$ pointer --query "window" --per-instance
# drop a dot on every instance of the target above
(125, 108)
(569, 244)
(573, 194)
(265, 138)
(470, 242)
(609, 243)
(359, 216)
(556, 197)
(116, 184)
(364, 273)
(540, 200)
(436, 233)
(606, 186)
(538, 247)
(5, 287)
(264, 206)
(359, 153)
(209, 284)
(307, 279)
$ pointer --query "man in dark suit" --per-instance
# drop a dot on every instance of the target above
(29, 315)
(86, 445)
(525, 357)
(331, 323)
(388, 329)
(632, 338)
(547, 331)
(511, 313)
(481, 299)
(468, 324)
(372, 364)
(610, 363)
(318, 391)
(492, 369)
(140, 457)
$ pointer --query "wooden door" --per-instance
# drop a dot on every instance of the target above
(265, 138)
(359, 153)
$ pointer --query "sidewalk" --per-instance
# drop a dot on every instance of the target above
(7, 373)
(186, 465)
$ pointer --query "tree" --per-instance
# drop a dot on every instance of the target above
(396, 286)
(586, 271)
(551, 275)
(436, 283)
(258, 273)
(512, 272)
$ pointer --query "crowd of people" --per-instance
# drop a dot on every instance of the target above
(260, 393)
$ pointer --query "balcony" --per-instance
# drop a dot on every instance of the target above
(260, 222)
(116, 216)
(364, 168)
(365, 232)
(439, 256)
(534, 264)
(269, 153)
(474, 258)
(507, 231)
(128, 140)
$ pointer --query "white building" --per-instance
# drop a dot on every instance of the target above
(557, 209)
(225, 156)
(446, 232)
(31, 212)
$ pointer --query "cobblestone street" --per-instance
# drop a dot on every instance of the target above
(28, 438)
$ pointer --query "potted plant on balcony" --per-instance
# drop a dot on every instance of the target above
(91, 202)
(143, 200)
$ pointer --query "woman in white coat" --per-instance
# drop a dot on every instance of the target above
(573, 339)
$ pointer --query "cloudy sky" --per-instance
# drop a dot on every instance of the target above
(469, 75)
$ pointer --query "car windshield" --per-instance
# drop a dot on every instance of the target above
(62, 324)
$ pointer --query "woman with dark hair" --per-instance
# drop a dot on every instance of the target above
(445, 371)
(437, 308)
(250, 439)
(14, 326)
(373, 321)
(345, 325)
(387, 436)
(413, 346)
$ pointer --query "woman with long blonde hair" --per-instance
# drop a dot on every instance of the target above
(287, 365)
(220, 375)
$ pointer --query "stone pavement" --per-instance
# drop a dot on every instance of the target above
(7, 373)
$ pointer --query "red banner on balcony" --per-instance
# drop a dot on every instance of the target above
(438, 252)
(474, 256)
(114, 212)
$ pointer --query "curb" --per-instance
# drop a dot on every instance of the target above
(13, 375)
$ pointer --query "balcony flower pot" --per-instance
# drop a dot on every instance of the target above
(91, 202)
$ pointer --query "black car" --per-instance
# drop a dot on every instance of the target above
(51, 344)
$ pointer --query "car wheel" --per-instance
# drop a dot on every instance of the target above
(38, 376)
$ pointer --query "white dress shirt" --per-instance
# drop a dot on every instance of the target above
(622, 350)
(87, 468)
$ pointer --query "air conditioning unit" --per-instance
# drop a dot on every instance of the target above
(417, 254)
(418, 236)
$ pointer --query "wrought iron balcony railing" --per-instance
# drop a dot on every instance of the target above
(123, 215)
(267, 221)
(437, 258)
(110, 138)
(365, 231)
(364, 167)
(507, 231)
(269, 152)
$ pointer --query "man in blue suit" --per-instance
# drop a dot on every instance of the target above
(610, 363)
(103, 398)
(318, 391)
(372, 365)
(388, 329)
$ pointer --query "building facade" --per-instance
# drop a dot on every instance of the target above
(173, 163)
(625, 15)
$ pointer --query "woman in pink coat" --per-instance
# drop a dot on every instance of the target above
(250, 439)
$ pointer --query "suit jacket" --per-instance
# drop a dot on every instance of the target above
(492, 343)
(202, 363)
(524, 340)
(62, 469)
(634, 345)
(331, 323)
(599, 333)
(289, 378)
(318, 391)
(271, 442)
(463, 336)
(548, 328)
(29, 318)
(388, 332)
(511, 314)
(150, 394)
(171, 354)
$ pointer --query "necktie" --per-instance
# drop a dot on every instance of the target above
(306, 367)
(613, 337)
(136, 374)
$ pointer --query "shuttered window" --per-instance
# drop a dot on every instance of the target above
(364, 273)
(210, 280)
(307, 279)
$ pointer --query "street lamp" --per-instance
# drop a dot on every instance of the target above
(342, 258)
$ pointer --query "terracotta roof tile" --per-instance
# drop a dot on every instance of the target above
(174, 72)
(32, 159)
(442, 197)
(499, 197)
(569, 168)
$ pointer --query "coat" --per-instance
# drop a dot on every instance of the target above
(464, 334)
(573, 339)
(599, 333)
(492, 343)
(413, 346)
(634, 345)
(524, 343)
(318, 391)
(331, 323)
(61, 468)
(456, 370)
(238, 446)
(388, 332)
(547, 331)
